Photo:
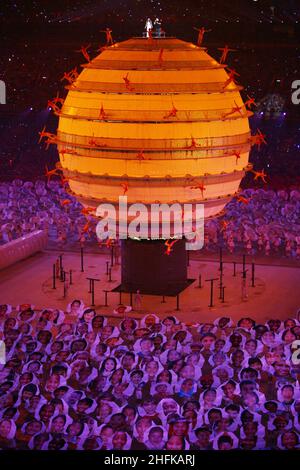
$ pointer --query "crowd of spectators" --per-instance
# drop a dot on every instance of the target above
(76, 379)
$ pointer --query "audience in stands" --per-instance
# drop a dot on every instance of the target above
(79, 380)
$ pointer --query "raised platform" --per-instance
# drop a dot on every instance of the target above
(275, 295)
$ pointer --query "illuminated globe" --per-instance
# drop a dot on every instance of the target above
(162, 122)
(157, 119)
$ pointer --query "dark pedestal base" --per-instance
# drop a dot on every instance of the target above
(146, 267)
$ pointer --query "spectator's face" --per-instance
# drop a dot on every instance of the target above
(74, 397)
(250, 347)
(150, 321)
(287, 393)
(208, 342)
(289, 440)
(10, 323)
(271, 358)
(207, 328)
(174, 443)
(75, 306)
(248, 443)
(98, 322)
(82, 407)
(203, 438)
(257, 366)
(136, 379)
(3, 310)
(30, 347)
(140, 332)
(274, 325)
(162, 390)
(210, 396)
(237, 358)
(282, 369)
(223, 322)
(280, 422)
(109, 365)
(39, 440)
(169, 407)
(222, 374)
(46, 412)
(119, 440)
(190, 415)
(128, 324)
(225, 446)
(117, 376)
(271, 407)
(155, 437)
(58, 424)
(78, 346)
(5, 427)
(224, 424)
(247, 388)
(157, 327)
(142, 426)
(34, 401)
(53, 382)
(250, 429)
(74, 429)
(26, 395)
(245, 323)
(107, 331)
(157, 341)
(118, 421)
(219, 344)
(249, 400)
(100, 350)
(168, 323)
(25, 379)
(268, 338)
(233, 414)
(106, 435)
(62, 356)
(249, 375)
(33, 428)
(130, 415)
(289, 337)
(82, 329)
(146, 345)
(259, 331)
(150, 408)
(119, 388)
(34, 367)
(187, 372)
(152, 368)
(88, 316)
(187, 386)
(90, 444)
(290, 323)
(25, 316)
(180, 336)
(180, 428)
(235, 340)
(90, 337)
(104, 410)
(24, 329)
(164, 376)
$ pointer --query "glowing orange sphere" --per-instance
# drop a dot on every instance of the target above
(159, 117)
